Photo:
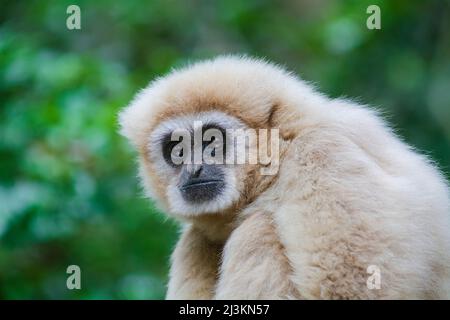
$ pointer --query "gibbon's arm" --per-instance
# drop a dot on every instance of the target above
(254, 265)
(193, 272)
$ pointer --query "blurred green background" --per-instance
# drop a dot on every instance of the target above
(68, 187)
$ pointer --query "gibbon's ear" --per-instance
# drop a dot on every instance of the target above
(272, 121)
(276, 120)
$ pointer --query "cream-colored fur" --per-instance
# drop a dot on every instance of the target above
(348, 194)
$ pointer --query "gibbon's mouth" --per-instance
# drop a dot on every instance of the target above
(200, 182)
(201, 190)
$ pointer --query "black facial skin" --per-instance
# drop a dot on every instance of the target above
(197, 183)
(200, 183)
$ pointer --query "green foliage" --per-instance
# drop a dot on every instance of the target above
(68, 187)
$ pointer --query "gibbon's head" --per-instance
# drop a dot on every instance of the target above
(184, 127)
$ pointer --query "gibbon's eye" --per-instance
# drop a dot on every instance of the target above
(206, 143)
(213, 139)
(167, 148)
(213, 152)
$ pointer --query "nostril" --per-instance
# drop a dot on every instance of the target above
(197, 172)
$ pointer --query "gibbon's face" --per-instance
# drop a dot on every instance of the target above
(195, 157)
(186, 125)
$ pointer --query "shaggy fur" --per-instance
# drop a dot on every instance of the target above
(348, 194)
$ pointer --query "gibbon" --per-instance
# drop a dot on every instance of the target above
(349, 203)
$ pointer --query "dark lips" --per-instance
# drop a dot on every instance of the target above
(201, 190)
(199, 183)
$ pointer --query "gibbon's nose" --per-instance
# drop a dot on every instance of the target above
(200, 173)
(194, 170)
(197, 171)
(200, 183)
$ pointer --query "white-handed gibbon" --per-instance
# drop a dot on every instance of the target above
(349, 196)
